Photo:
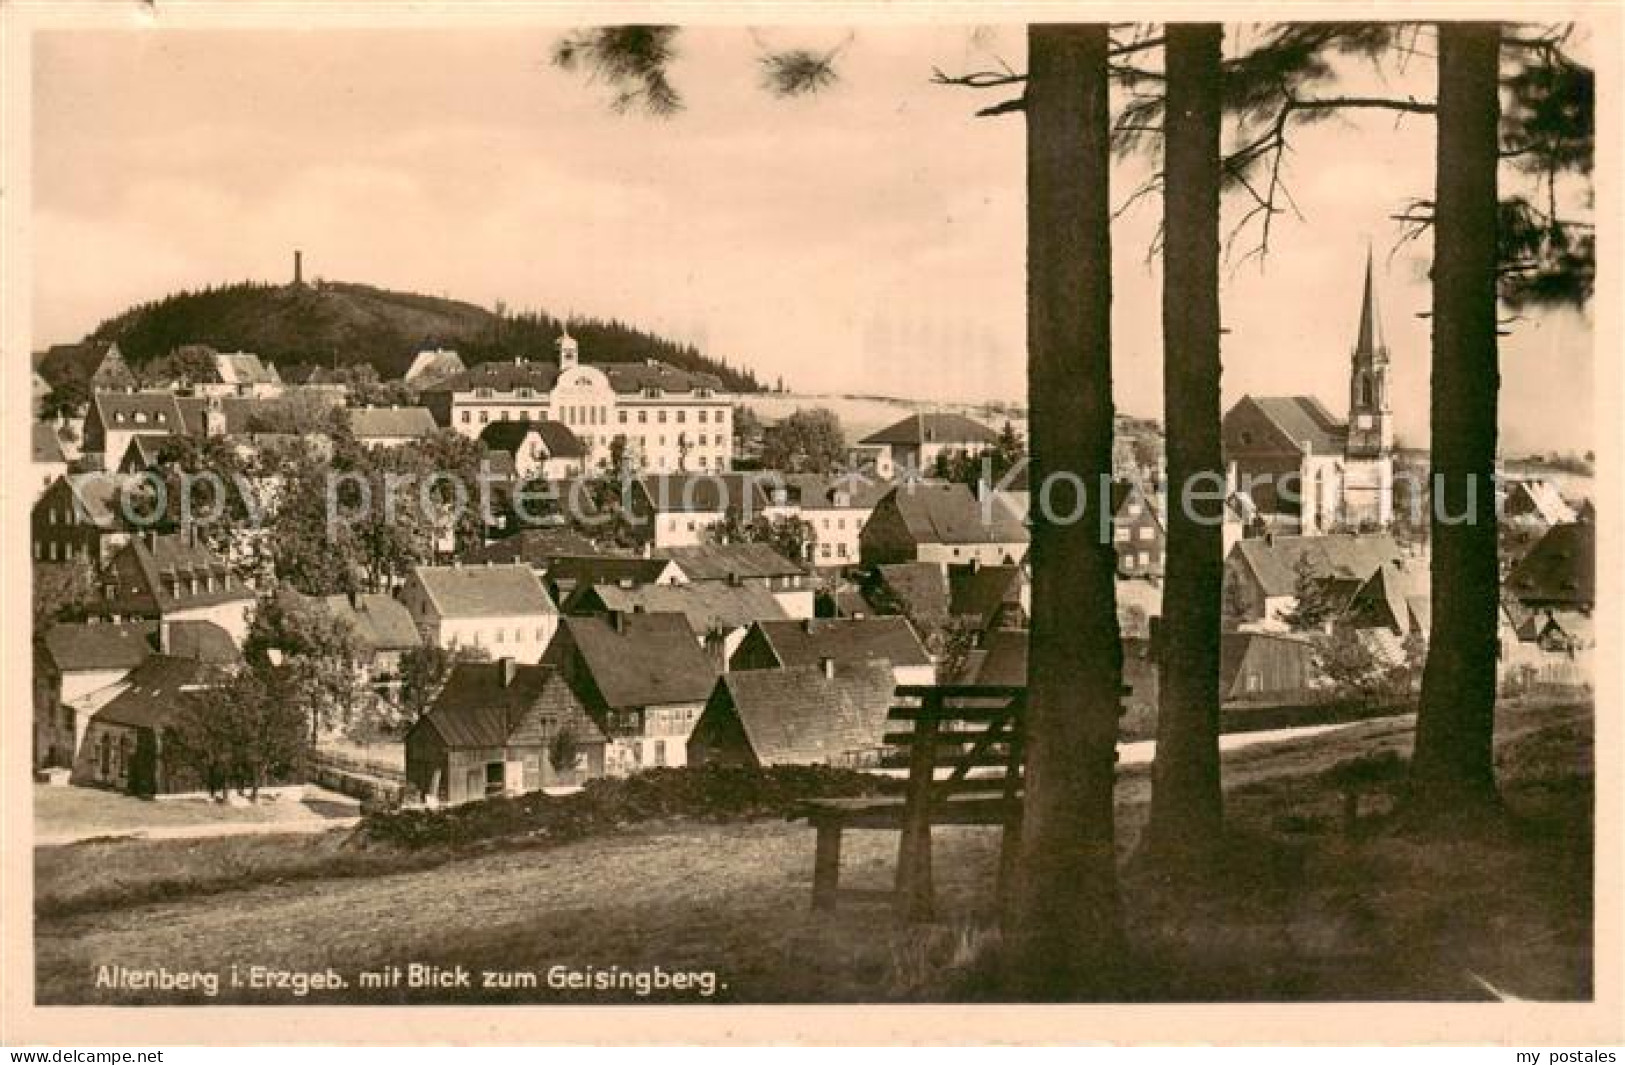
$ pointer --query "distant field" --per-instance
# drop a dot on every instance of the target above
(862, 415)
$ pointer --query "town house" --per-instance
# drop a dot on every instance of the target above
(502, 609)
(644, 679)
(175, 578)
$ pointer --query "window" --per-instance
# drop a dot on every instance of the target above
(499, 637)
(541, 633)
(1145, 558)
(643, 418)
(681, 417)
(493, 778)
(702, 416)
(1120, 534)
(1147, 532)
(660, 416)
(483, 417)
(467, 417)
(1254, 683)
(53, 550)
(622, 417)
(660, 752)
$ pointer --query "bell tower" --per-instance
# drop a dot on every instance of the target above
(1371, 414)
(569, 350)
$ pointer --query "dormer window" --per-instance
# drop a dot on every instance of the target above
(482, 393)
(118, 417)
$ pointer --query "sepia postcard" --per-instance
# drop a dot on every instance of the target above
(754, 522)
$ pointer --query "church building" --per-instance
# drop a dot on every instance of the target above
(1307, 471)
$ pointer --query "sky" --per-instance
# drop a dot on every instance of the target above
(866, 240)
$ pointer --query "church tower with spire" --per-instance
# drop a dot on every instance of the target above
(1368, 475)
(1371, 414)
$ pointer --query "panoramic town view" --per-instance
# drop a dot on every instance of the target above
(695, 515)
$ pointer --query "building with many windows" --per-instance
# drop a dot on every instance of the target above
(671, 420)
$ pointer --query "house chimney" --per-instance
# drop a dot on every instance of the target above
(806, 625)
(976, 564)
(508, 669)
(355, 599)
(617, 620)
(826, 666)
(298, 267)
(164, 636)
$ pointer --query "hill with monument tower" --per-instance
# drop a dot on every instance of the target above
(339, 323)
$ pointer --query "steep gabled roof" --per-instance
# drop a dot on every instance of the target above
(434, 365)
(638, 660)
(709, 606)
(1001, 659)
(609, 569)
(933, 428)
(1399, 589)
(161, 560)
(485, 591)
(703, 493)
(106, 646)
(535, 547)
(1304, 420)
(801, 716)
(391, 422)
(381, 622)
(154, 693)
(244, 368)
(982, 592)
(476, 708)
(920, 588)
(1560, 569)
(557, 439)
(1274, 561)
(719, 562)
(139, 412)
(47, 444)
(951, 514)
(1537, 498)
(804, 642)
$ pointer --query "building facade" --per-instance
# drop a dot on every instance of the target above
(670, 420)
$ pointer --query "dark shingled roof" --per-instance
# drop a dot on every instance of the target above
(557, 439)
(800, 716)
(535, 547)
(802, 643)
(627, 377)
(704, 493)
(718, 562)
(1304, 419)
(1001, 659)
(920, 588)
(1341, 557)
(951, 514)
(709, 606)
(47, 444)
(384, 422)
(156, 688)
(933, 428)
(1560, 569)
(982, 592)
(643, 660)
(475, 709)
(160, 559)
(576, 570)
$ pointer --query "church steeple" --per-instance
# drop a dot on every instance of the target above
(1370, 340)
(1371, 431)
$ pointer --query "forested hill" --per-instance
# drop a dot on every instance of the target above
(349, 323)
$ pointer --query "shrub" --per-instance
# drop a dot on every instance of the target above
(710, 792)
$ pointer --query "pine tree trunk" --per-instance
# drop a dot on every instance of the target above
(1186, 799)
(1453, 769)
(1064, 929)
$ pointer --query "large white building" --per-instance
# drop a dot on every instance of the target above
(672, 420)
